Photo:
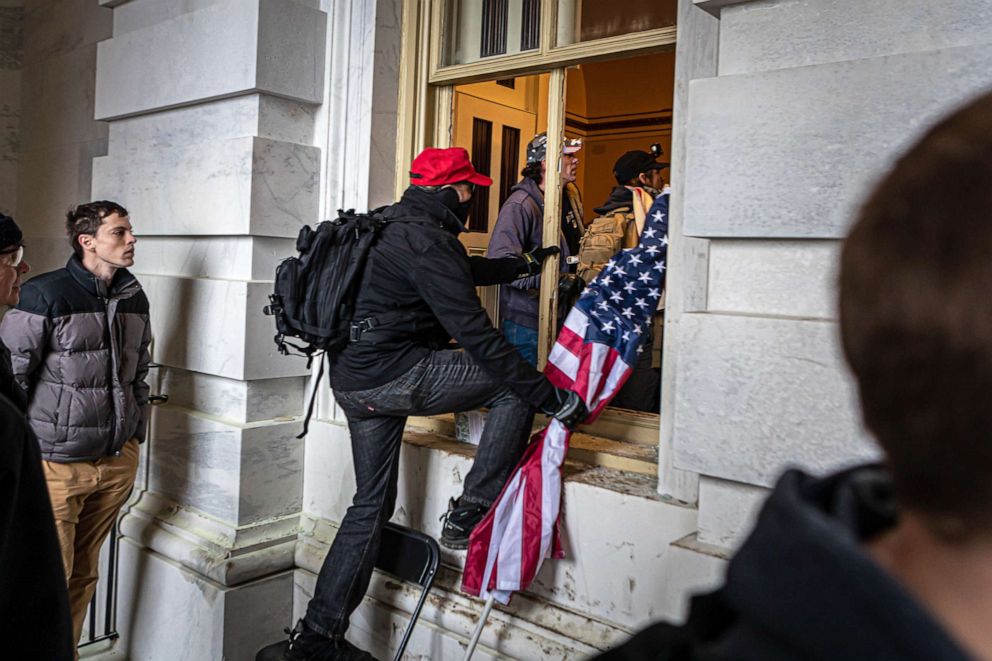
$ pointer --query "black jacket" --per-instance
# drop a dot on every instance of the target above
(419, 284)
(802, 587)
(8, 386)
(34, 603)
(620, 198)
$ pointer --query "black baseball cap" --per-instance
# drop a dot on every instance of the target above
(10, 233)
(634, 163)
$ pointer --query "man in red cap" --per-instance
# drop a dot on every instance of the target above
(417, 293)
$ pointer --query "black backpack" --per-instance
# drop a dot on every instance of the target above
(314, 297)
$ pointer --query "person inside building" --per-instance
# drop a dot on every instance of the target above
(640, 189)
(398, 365)
(520, 229)
(78, 340)
(34, 603)
(894, 560)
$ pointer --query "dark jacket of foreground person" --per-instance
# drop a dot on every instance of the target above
(802, 587)
(34, 603)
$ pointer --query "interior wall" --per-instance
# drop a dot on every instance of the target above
(11, 63)
(617, 106)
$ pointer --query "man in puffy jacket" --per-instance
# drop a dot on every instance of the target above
(520, 229)
(418, 292)
(78, 341)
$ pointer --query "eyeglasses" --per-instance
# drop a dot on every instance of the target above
(16, 256)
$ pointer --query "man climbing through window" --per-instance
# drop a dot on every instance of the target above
(418, 292)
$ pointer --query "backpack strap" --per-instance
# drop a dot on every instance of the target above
(313, 395)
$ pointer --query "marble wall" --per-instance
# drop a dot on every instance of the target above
(58, 134)
(11, 63)
(793, 109)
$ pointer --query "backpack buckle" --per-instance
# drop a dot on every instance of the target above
(356, 328)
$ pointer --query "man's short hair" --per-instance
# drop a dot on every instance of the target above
(87, 218)
(916, 321)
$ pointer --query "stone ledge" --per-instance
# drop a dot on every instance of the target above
(446, 596)
(223, 553)
(715, 6)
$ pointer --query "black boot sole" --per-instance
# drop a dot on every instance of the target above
(454, 544)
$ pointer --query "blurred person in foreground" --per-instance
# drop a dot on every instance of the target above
(34, 603)
(889, 561)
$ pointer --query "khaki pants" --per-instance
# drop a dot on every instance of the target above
(86, 497)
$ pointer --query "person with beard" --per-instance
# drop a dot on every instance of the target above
(891, 561)
(640, 190)
(417, 292)
(520, 228)
(34, 603)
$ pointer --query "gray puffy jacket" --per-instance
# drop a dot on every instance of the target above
(79, 350)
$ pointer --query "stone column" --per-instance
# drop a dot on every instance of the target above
(211, 107)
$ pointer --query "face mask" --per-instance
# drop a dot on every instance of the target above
(449, 198)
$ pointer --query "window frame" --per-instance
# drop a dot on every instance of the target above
(425, 117)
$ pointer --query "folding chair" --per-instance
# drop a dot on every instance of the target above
(409, 555)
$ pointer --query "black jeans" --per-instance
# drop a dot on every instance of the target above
(443, 382)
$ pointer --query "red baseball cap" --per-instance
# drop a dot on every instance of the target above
(437, 167)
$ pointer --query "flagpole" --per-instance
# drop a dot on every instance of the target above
(479, 627)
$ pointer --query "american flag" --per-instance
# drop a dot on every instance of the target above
(594, 355)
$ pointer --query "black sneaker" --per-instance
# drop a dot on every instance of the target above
(307, 645)
(459, 521)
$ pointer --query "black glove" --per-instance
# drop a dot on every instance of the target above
(566, 406)
(533, 260)
(569, 288)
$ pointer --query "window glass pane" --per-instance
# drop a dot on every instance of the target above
(615, 107)
(586, 20)
(494, 121)
(478, 29)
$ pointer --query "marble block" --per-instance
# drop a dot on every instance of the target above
(791, 153)
(167, 613)
(780, 278)
(62, 26)
(216, 327)
(57, 100)
(10, 119)
(226, 48)
(238, 186)
(759, 36)
(226, 257)
(727, 511)
(130, 15)
(240, 474)
(328, 476)
(232, 400)
(753, 395)
(49, 182)
(250, 115)
(715, 6)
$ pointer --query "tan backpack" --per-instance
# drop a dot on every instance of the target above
(603, 239)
